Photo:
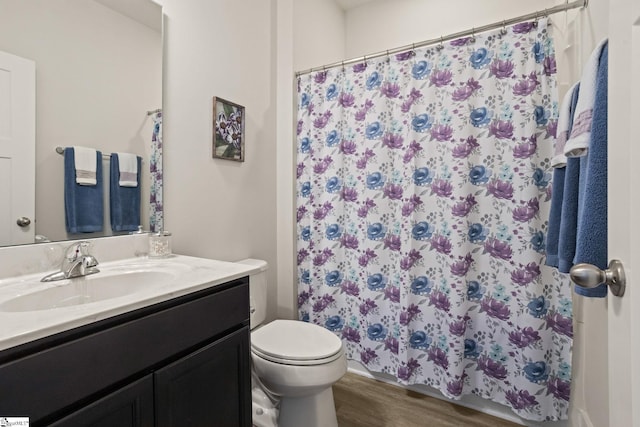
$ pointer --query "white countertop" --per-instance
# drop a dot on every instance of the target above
(193, 274)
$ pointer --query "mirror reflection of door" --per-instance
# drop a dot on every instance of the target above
(17, 149)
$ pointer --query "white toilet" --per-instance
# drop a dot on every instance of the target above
(294, 361)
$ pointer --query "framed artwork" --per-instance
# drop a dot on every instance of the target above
(228, 130)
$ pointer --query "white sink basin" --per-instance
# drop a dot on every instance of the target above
(88, 289)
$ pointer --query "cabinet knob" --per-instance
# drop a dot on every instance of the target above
(590, 276)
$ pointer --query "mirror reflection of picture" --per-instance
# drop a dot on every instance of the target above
(228, 130)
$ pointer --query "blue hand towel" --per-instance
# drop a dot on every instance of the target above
(591, 244)
(564, 207)
(124, 201)
(83, 204)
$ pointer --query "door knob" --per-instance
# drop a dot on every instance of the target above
(23, 221)
(590, 276)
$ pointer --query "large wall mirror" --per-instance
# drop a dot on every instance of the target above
(98, 82)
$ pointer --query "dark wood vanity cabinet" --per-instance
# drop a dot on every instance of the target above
(183, 362)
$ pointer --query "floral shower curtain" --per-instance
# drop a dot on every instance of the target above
(156, 213)
(422, 205)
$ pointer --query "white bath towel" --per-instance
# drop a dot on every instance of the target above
(578, 142)
(128, 165)
(559, 160)
(85, 164)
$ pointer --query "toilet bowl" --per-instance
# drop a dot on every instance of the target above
(293, 362)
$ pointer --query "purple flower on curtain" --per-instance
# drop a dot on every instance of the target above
(299, 170)
(421, 70)
(410, 206)
(393, 242)
(492, 368)
(501, 69)
(403, 56)
(349, 194)
(441, 132)
(526, 212)
(367, 307)
(549, 64)
(320, 77)
(322, 211)
(349, 242)
(526, 149)
(523, 27)
(461, 267)
(393, 191)
(441, 188)
(458, 328)
(405, 372)
(498, 249)
(406, 316)
(350, 288)
(410, 259)
(390, 90)
(438, 357)
(522, 338)
(440, 78)
(321, 121)
(346, 99)
(299, 127)
(303, 297)
(500, 189)
(440, 301)
(501, 129)
(441, 244)
(494, 308)
(360, 67)
(552, 129)
(391, 344)
(325, 301)
(462, 93)
(322, 166)
(392, 140)
(455, 387)
(463, 207)
(560, 389)
(367, 356)
(363, 211)
(302, 255)
(520, 399)
(300, 212)
(421, 285)
(392, 294)
(463, 150)
(560, 324)
(348, 147)
(350, 334)
(524, 87)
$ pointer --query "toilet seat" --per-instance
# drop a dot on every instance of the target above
(293, 342)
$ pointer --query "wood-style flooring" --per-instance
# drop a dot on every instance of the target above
(365, 402)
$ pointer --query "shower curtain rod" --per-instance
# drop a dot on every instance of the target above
(534, 15)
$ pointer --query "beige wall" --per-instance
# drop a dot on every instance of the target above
(216, 208)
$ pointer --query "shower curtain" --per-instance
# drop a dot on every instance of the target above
(423, 190)
(156, 214)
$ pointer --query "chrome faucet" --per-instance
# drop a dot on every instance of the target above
(77, 262)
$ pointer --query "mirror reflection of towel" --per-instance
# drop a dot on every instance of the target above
(124, 201)
(85, 165)
(127, 169)
(83, 204)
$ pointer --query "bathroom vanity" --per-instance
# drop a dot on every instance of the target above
(175, 357)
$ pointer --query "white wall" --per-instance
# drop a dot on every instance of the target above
(97, 74)
(217, 208)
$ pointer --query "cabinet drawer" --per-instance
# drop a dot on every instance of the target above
(43, 383)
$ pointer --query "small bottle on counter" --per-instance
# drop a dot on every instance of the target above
(160, 244)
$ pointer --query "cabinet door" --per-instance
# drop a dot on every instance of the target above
(131, 406)
(210, 387)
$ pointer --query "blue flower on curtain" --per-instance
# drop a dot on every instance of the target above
(422, 203)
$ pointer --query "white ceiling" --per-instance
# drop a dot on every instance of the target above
(350, 4)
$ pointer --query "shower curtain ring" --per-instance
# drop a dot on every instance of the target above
(441, 45)
(504, 28)
(473, 34)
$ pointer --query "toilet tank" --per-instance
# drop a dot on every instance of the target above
(257, 291)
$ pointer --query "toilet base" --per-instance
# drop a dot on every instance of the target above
(317, 410)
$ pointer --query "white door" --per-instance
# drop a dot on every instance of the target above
(17, 149)
(624, 210)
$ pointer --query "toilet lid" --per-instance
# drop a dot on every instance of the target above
(294, 340)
